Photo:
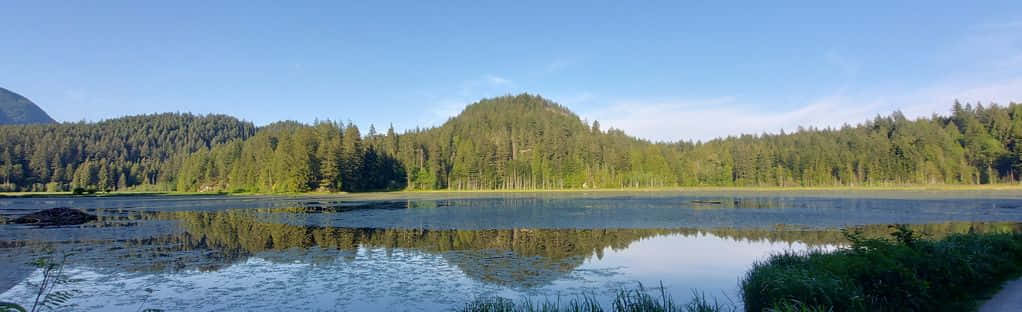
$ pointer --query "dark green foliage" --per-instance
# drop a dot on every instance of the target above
(17, 110)
(11, 307)
(292, 157)
(510, 142)
(145, 150)
(527, 142)
(906, 274)
(975, 145)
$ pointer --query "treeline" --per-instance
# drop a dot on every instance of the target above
(293, 157)
(975, 145)
(139, 151)
(527, 142)
(510, 142)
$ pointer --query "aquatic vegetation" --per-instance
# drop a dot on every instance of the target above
(46, 293)
(338, 250)
(55, 216)
(627, 300)
(873, 274)
(906, 273)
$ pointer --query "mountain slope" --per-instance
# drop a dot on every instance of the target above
(17, 110)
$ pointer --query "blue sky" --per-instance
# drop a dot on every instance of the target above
(660, 70)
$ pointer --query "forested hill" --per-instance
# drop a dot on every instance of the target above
(510, 142)
(525, 142)
(17, 110)
(114, 154)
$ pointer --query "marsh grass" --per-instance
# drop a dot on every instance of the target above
(905, 273)
(47, 296)
(627, 300)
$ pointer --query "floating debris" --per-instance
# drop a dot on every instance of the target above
(707, 202)
(55, 216)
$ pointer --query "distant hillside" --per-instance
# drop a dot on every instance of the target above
(17, 110)
(525, 142)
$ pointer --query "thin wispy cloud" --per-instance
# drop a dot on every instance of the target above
(992, 75)
(706, 119)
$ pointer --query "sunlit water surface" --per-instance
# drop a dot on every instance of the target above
(437, 253)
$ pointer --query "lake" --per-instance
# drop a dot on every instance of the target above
(436, 252)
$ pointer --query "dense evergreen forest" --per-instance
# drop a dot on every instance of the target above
(510, 142)
(144, 152)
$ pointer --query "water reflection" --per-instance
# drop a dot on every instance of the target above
(612, 210)
(292, 252)
(208, 241)
(642, 212)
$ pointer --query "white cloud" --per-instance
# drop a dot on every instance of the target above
(991, 74)
(939, 98)
(704, 119)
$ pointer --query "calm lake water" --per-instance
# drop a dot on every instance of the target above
(437, 252)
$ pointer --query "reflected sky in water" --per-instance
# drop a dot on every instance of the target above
(427, 254)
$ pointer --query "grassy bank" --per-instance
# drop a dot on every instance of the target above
(905, 273)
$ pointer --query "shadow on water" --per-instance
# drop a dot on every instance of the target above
(338, 206)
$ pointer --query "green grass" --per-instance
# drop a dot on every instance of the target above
(904, 274)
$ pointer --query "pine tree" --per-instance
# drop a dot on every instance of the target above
(351, 159)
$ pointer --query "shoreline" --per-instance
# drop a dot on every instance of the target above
(928, 190)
